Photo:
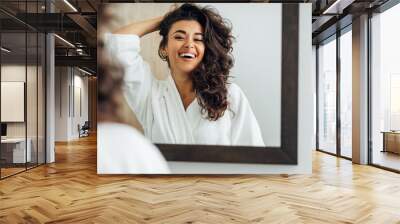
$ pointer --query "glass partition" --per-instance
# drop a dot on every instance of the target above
(14, 152)
(22, 77)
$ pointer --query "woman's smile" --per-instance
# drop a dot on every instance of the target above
(187, 55)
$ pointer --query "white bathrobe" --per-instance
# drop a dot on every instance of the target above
(160, 110)
(121, 149)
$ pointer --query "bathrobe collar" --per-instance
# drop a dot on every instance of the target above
(183, 123)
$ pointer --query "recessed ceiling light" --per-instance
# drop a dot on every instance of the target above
(70, 5)
(64, 40)
(337, 7)
(86, 72)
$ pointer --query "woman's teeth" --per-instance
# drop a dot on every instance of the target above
(187, 55)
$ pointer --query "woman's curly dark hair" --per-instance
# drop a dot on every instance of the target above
(210, 78)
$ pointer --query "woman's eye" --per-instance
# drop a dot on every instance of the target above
(178, 38)
(198, 40)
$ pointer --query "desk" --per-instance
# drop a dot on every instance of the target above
(13, 150)
(391, 141)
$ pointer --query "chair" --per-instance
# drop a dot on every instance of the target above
(84, 130)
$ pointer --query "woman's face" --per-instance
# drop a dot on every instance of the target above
(185, 46)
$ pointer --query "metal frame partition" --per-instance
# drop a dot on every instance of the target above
(35, 33)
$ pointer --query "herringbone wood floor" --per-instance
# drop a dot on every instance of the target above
(70, 191)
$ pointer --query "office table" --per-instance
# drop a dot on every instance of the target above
(391, 141)
(13, 150)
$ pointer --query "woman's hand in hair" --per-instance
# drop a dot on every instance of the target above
(172, 8)
(146, 26)
(141, 28)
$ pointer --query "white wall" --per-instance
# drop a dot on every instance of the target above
(70, 84)
(80, 109)
(61, 103)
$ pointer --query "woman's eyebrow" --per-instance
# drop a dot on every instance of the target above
(184, 32)
(180, 31)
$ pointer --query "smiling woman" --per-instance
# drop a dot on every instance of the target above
(196, 104)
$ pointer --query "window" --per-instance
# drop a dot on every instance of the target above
(346, 94)
(385, 88)
(327, 97)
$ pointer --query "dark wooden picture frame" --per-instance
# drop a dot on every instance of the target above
(287, 153)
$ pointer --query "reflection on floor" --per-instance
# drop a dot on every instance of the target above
(10, 169)
(347, 152)
(386, 159)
